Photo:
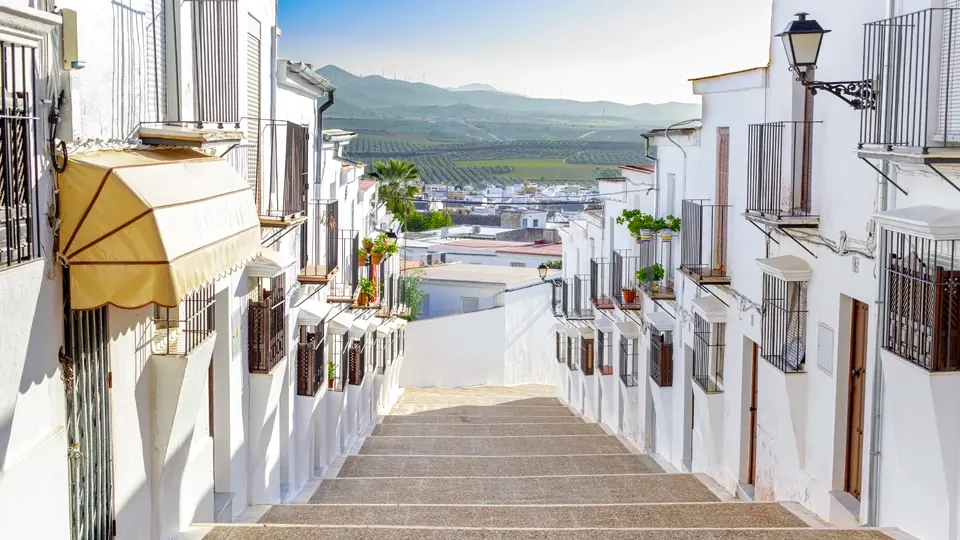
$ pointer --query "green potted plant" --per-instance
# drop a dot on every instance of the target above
(331, 374)
(367, 243)
(383, 248)
(361, 257)
(653, 274)
(368, 288)
(638, 223)
(670, 225)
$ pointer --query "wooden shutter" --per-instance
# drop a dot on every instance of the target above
(253, 113)
(722, 200)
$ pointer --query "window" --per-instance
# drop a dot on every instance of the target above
(469, 304)
(425, 306)
(518, 265)
(19, 223)
(524, 223)
(784, 331)
(561, 347)
(179, 330)
(536, 223)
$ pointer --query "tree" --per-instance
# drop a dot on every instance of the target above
(399, 183)
(435, 219)
(413, 293)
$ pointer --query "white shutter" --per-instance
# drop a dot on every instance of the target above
(253, 110)
(155, 36)
(948, 112)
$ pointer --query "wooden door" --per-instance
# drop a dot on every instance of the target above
(752, 448)
(857, 395)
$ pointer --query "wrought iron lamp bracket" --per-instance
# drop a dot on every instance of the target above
(858, 94)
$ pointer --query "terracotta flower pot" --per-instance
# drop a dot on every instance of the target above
(363, 300)
(376, 258)
(330, 383)
(629, 296)
(367, 245)
(362, 261)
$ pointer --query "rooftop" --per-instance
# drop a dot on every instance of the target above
(637, 168)
(546, 250)
(479, 273)
(366, 184)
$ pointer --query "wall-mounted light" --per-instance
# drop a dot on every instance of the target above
(802, 40)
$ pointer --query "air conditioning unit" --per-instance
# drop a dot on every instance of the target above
(475, 229)
(428, 259)
(443, 257)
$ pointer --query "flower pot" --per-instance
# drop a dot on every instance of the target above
(330, 383)
(666, 237)
(376, 258)
(367, 245)
(362, 261)
(363, 300)
(655, 287)
(629, 296)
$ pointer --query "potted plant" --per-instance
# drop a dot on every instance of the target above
(638, 223)
(670, 225)
(629, 295)
(653, 274)
(383, 248)
(331, 374)
(367, 289)
(367, 243)
(361, 257)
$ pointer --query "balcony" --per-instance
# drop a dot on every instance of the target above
(284, 203)
(656, 279)
(600, 276)
(576, 302)
(914, 59)
(780, 174)
(310, 360)
(708, 354)
(342, 286)
(626, 267)
(338, 361)
(921, 312)
(784, 325)
(604, 352)
(324, 247)
(267, 317)
(703, 247)
(179, 330)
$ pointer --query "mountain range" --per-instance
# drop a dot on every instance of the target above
(380, 97)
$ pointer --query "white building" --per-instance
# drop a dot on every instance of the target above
(143, 388)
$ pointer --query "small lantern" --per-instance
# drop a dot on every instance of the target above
(543, 271)
(801, 41)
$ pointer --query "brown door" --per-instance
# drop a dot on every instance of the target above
(752, 449)
(858, 363)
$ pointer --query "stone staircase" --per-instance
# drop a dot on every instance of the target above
(514, 463)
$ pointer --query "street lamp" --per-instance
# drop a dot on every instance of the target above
(802, 39)
(543, 271)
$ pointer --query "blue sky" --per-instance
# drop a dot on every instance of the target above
(630, 51)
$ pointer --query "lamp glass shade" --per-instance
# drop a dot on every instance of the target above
(802, 49)
(543, 270)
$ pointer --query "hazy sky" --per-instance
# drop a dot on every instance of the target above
(629, 51)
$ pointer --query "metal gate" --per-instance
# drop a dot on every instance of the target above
(85, 368)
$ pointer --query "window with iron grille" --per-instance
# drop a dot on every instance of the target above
(370, 352)
(604, 353)
(357, 357)
(629, 367)
(784, 325)
(381, 355)
(344, 283)
(337, 357)
(708, 354)
(267, 326)
(19, 213)
(180, 329)
(661, 357)
(921, 291)
(561, 347)
(311, 364)
(586, 355)
(573, 356)
(216, 54)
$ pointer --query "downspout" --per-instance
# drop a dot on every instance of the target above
(320, 161)
(876, 404)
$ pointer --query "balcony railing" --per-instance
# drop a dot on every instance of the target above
(604, 353)
(576, 302)
(339, 359)
(703, 247)
(18, 185)
(216, 60)
(267, 327)
(286, 202)
(629, 363)
(311, 365)
(784, 325)
(656, 280)
(913, 60)
(922, 309)
(661, 358)
(600, 276)
(586, 355)
(343, 285)
(625, 281)
(779, 170)
(179, 330)
(708, 354)
(324, 245)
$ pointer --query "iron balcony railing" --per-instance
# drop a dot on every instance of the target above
(600, 276)
(703, 245)
(286, 199)
(339, 362)
(267, 327)
(576, 302)
(604, 353)
(216, 55)
(921, 312)
(708, 354)
(343, 284)
(323, 245)
(625, 281)
(19, 233)
(180, 329)
(657, 278)
(913, 61)
(661, 358)
(784, 325)
(311, 365)
(629, 366)
(779, 169)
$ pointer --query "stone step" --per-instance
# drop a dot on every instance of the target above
(485, 430)
(526, 390)
(649, 488)
(451, 400)
(475, 419)
(567, 445)
(481, 410)
(456, 466)
(662, 516)
(340, 532)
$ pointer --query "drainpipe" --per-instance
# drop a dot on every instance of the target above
(876, 405)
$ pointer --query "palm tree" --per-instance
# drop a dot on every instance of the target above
(399, 184)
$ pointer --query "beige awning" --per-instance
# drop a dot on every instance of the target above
(149, 226)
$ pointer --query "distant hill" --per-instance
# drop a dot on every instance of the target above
(378, 96)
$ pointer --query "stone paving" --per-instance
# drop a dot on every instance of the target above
(493, 463)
